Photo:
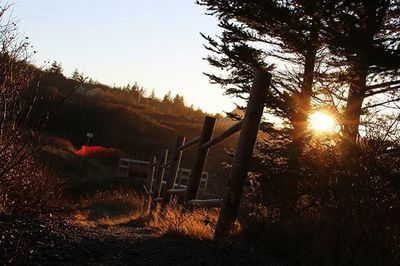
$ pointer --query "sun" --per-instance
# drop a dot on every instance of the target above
(322, 122)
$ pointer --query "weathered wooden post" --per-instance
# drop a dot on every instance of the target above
(149, 184)
(244, 151)
(173, 169)
(160, 174)
(200, 159)
(151, 173)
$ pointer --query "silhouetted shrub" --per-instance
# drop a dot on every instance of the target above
(25, 186)
(347, 211)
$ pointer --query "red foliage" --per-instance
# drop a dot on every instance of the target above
(95, 151)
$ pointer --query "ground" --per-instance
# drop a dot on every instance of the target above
(61, 241)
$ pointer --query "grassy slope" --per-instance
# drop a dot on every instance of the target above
(135, 130)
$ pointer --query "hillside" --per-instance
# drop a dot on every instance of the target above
(118, 120)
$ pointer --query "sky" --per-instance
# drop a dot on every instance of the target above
(155, 43)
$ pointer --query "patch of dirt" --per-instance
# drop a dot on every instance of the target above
(59, 241)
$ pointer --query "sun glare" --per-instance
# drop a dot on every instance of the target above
(322, 122)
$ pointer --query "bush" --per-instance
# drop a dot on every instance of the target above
(30, 189)
(347, 210)
(176, 221)
(24, 185)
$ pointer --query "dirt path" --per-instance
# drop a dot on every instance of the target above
(58, 241)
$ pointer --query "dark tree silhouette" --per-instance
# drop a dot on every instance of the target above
(77, 76)
(364, 37)
(262, 32)
(55, 68)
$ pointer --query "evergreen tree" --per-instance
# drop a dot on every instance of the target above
(167, 98)
(135, 87)
(142, 92)
(364, 37)
(257, 33)
(127, 87)
(153, 94)
(55, 68)
(178, 101)
(77, 76)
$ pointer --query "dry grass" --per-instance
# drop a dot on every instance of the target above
(57, 145)
(122, 207)
(110, 208)
(176, 221)
(30, 188)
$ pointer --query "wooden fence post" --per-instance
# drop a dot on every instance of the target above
(149, 185)
(244, 151)
(174, 168)
(160, 174)
(200, 159)
(150, 175)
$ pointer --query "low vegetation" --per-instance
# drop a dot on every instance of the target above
(115, 207)
(176, 221)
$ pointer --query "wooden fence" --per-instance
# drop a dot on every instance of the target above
(231, 200)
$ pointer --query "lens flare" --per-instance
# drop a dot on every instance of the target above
(322, 122)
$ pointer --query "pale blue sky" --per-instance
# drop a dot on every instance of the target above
(153, 42)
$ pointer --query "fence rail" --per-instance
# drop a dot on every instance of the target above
(226, 134)
(189, 144)
(176, 191)
(167, 164)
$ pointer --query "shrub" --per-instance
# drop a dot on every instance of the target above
(176, 221)
(347, 211)
(24, 184)
(30, 188)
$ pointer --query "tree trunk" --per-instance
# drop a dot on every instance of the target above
(352, 114)
(299, 122)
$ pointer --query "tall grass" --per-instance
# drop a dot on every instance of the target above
(176, 221)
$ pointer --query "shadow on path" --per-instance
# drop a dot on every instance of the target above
(59, 242)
